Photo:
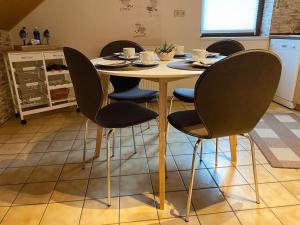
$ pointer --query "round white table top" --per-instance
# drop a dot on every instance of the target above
(161, 71)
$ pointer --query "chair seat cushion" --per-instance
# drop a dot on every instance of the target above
(123, 114)
(188, 122)
(184, 94)
(134, 95)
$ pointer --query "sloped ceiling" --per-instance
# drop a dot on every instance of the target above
(13, 11)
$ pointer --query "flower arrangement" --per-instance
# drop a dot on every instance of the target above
(166, 52)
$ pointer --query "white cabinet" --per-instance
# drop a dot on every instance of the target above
(289, 52)
(39, 81)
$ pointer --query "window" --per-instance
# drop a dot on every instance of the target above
(231, 17)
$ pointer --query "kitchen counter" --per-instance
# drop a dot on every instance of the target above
(285, 36)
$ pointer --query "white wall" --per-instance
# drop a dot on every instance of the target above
(88, 25)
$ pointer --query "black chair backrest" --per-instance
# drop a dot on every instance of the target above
(238, 91)
(86, 82)
(226, 47)
(121, 83)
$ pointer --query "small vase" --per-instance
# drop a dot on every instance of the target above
(163, 56)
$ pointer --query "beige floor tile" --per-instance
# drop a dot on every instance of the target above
(98, 187)
(184, 162)
(150, 139)
(209, 160)
(65, 135)
(257, 217)
(15, 175)
(46, 136)
(65, 213)
(24, 215)
(135, 184)
(73, 190)
(96, 212)
(282, 174)
(146, 222)
(58, 146)
(76, 156)
(241, 197)
(53, 158)
(243, 158)
(50, 128)
(209, 201)
(35, 193)
(128, 140)
(26, 160)
(137, 207)
(293, 187)
(45, 173)
(34, 147)
(154, 164)
(12, 148)
(6, 160)
(227, 218)
(128, 152)
(203, 179)
(263, 175)
(153, 151)
(8, 194)
(177, 138)
(79, 144)
(181, 148)
(4, 138)
(3, 211)
(173, 182)
(134, 166)
(274, 194)
(75, 171)
(180, 221)
(289, 215)
(20, 138)
(99, 169)
(175, 205)
(227, 176)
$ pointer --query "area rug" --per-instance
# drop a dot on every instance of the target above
(278, 137)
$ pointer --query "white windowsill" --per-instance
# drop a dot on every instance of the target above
(246, 38)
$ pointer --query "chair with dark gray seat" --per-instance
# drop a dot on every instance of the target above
(230, 99)
(127, 88)
(89, 96)
(224, 47)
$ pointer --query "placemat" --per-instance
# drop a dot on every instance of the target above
(126, 68)
(183, 65)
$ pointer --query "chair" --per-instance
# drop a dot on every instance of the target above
(224, 47)
(127, 88)
(89, 96)
(230, 98)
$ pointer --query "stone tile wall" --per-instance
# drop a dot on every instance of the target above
(286, 16)
(6, 108)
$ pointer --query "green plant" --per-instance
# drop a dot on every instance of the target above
(165, 48)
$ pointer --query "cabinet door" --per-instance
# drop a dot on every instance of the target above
(289, 53)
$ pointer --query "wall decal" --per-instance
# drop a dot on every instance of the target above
(152, 7)
(126, 5)
(140, 30)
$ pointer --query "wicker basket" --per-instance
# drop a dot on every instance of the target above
(59, 94)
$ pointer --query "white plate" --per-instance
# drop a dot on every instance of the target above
(199, 64)
(110, 63)
(139, 63)
(133, 58)
(212, 54)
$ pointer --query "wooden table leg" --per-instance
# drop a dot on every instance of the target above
(233, 145)
(162, 107)
(105, 84)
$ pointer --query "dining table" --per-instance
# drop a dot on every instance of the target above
(163, 75)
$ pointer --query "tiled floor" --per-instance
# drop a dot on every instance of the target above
(41, 181)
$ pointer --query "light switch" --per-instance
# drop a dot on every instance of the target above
(179, 13)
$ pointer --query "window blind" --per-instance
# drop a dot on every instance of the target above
(229, 16)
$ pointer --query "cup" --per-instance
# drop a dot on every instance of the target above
(129, 53)
(147, 57)
(199, 54)
(179, 50)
